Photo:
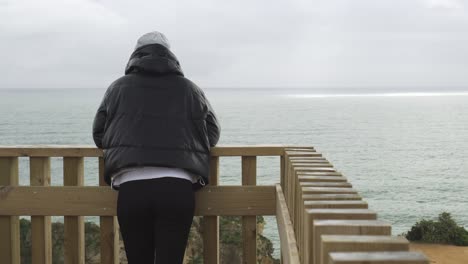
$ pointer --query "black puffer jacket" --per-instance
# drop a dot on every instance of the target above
(154, 116)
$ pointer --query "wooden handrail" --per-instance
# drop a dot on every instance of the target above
(92, 151)
(101, 201)
(289, 249)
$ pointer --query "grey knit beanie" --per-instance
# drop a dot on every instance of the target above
(154, 37)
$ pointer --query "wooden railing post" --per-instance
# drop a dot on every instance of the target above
(249, 223)
(9, 225)
(110, 248)
(282, 178)
(73, 175)
(211, 223)
(282, 170)
(41, 233)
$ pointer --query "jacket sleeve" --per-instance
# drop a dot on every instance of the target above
(213, 127)
(99, 123)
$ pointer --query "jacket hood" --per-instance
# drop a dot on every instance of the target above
(153, 59)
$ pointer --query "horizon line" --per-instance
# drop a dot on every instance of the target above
(400, 94)
(377, 88)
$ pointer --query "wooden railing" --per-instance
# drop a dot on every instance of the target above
(331, 222)
(307, 203)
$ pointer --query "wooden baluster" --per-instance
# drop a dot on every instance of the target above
(395, 257)
(345, 227)
(349, 243)
(9, 225)
(211, 223)
(41, 233)
(249, 223)
(282, 170)
(110, 247)
(283, 175)
(73, 170)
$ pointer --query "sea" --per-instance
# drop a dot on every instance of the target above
(405, 150)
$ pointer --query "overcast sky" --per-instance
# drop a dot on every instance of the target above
(243, 43)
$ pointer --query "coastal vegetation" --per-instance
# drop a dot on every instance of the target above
(230, 242)
(444, 230)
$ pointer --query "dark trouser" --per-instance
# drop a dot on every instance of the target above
(155, 218)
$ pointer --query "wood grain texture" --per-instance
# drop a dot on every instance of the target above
(312, 164)
(324, 205)
(289, 249)
(109, 229)
(328, 214)
(331, 196)
(210, 223)
(50, 151)
(290, 172)
(74, 250)
(299, 192)
(346, 227)
(319, 173)
(9, 225)
(109, 235)
(92, 151)
(386, 257)
(101, 201)
(307, 178)
(307, 158)
(356, 243)
(302, 154)
(41, 229)
(249, 223)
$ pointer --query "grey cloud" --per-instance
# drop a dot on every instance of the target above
(297, 43)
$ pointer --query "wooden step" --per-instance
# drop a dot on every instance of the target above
(396, 257)
(305, 246)
(346, 227)
(352, 243)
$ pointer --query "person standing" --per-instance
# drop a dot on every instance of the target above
(156, 128)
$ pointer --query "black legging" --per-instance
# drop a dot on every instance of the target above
(155, 217)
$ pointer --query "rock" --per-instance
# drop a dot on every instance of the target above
(230, 242)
